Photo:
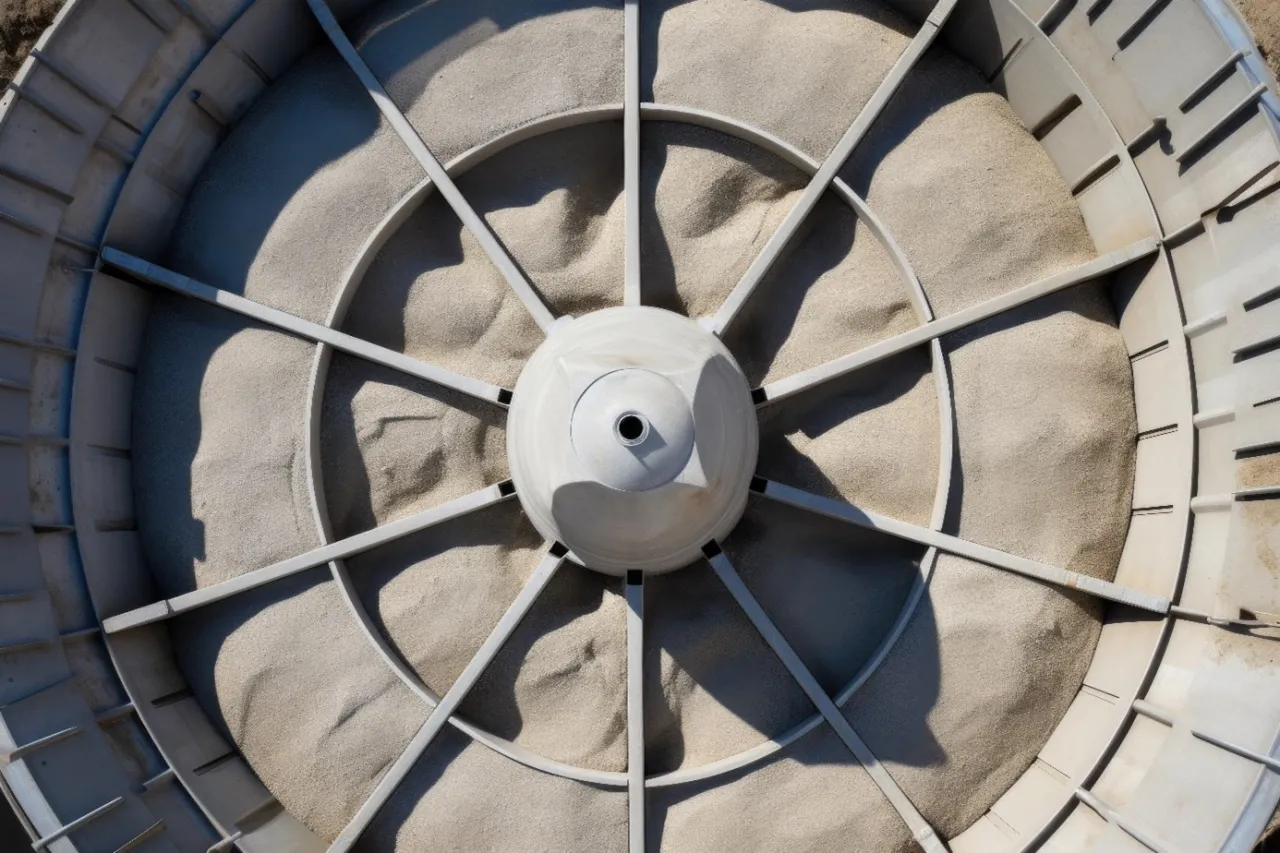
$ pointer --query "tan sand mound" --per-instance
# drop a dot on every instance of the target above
(1043, 418)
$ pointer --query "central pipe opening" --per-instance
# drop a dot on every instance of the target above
(631, 428)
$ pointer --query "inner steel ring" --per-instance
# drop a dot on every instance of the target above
(401, 212)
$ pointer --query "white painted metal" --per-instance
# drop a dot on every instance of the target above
(188, 286)
(153, 831)
(632, 294)
(356, 544)
(645, 500)
(449, 702)
(822, 179)
(473, 221)
(1108, 263)
(397, 216)
(80, 822)
(1113, 817)
(8, 756)
(920, 828)
(1150, 711)
(759, 753)
(964, 548)
(635, 713)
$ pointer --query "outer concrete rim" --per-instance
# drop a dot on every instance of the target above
(354, 275)
(1127, 164)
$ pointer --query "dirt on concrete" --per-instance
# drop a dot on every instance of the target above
(1263, 17)
(21, 23)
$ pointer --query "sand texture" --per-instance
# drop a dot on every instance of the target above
(1044, 428)
(21, 23)
(1263, 19)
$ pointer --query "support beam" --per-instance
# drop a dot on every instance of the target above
(961, 547)
(1146, 709)
(444, 184)
(178, 283)
(141, 838)
(38, 346)
(164, 777)
(635, 712)
(341, 549)
(1104, 265)
(1248, 620)
(920, 828)
(19, 752)
(631, 149)
(450, 701)
(83, 820)
(1113, 817)
(818, 184)
(110, 715)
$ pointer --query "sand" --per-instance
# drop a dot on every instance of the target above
(21, 23)
(1044, 424)
(1263, 19)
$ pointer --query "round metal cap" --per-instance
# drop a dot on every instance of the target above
(632, 439)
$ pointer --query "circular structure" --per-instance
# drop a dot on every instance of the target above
(866, 441)
(632, 439)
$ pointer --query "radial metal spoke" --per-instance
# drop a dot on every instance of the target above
(439, 177)
(343, 548)
(631, 149)
(1249, 620)
(635, 711)
(961, 547)
(1146, 709)
(822, 179)
(450, 701)
(187, 286)
(1096, 268)
(920, 828)
(1113, 817)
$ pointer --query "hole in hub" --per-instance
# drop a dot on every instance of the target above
(631, 428)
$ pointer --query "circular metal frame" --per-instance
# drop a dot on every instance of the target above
(354, 275)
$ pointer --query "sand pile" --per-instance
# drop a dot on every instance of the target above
(21, 23)
(1044, 423)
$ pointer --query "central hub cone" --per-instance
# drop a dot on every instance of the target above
(632, 439)
(633, 430)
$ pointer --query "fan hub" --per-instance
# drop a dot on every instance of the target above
(632, 439)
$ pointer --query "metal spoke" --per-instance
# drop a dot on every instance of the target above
(1096, 268)
(920, 828)
(187, 286)
(439, 177)
(961, 547)
(635, 711)
(1146, 709)
(361, 542)
(1248, 620)
(450, 701)
(1114, 818)
(818, 184)
(631, 149)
